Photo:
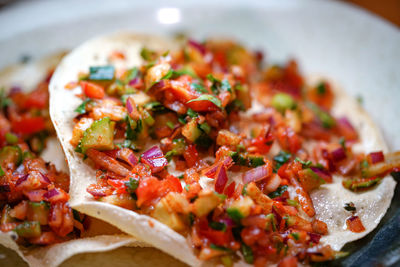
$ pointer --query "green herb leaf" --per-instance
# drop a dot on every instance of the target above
(101, 73)
(132, 185)
(278, 192)
(256, 161)
(147, 54)
(219, 226)
(198, 88)
(324, 117)
(235, 214)
(295, 236)
(281, 158)
(225, 86)
(216, 247)
(350, 206)
(191, 113)
(304, 163)
(247, 253)
(4, 101)
(1, 171)
(321, 88)
(154, 106)
(81, 109)
(213, 99)
(132, 74)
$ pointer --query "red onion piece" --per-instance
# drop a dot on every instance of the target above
(134, 81)
(45, 179)
(346, 128)
(376, 157)
(227, 221)
(52, 193)
(154, 157)
(211, 171)
(201, 48)
(36, 195)
(324, 174)
(257, 174)
(97, 193)
(128, 156)
(21, 180)
(338, 154)
(221, 179)
(314, 237)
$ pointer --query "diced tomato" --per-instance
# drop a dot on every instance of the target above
(28, 125)
(92, 90)
(119, 185)
(289, 261)
(171, 184)
(202, 105)
(147, 191)
(230, 189)
(262, 144)
(220, 238)
(355, 225)
(191, 155)
(37, 98)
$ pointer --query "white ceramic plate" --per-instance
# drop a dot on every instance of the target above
(361, 52)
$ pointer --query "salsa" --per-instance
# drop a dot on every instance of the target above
(33, 194)
(222, 149)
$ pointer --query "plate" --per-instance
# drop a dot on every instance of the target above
(358, 50)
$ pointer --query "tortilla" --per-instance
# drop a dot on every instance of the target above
(100, 236)
(372, 205)
(330, 199)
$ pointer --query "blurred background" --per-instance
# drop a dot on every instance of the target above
(387, 9)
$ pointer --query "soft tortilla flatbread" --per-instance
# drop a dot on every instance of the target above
(329, 200)
(100, 236)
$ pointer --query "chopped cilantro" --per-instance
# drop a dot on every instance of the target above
(213, 99)
(350, 206)
(244, 190)
(132, 74)
(219, 226)
(247, 253)
(191, 113)
(295, 236)
(154, 106)
(1, 171)
(321, 88)
(4, 101)
(235, 214)
(225, 86)
(278, 192)
(216, 247)
(132, 185)
(147, 54)
(198, 88)
(81, 109)
(304, 163)
(281, 159)
(187, 187)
